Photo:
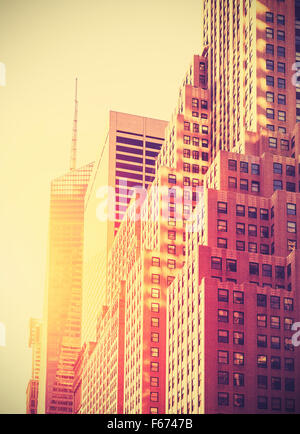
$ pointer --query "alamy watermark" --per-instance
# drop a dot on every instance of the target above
(2, 74)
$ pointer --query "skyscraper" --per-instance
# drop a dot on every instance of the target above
(63, 290)
(35, 336)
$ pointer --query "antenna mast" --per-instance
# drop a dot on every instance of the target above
(74, 136)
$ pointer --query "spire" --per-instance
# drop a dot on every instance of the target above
(74, 136)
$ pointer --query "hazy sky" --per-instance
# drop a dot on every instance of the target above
(129, 56)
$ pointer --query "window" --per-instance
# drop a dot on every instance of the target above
(196, 141)
(255, 169)
(264, 249)
(154, 352)
(277, 184)
(155, 262)
(154, 367)
(204, 143)
(254, 268)
(281, 99)
(262, 361)
(240, 210)
(281, 67)
(232, 165)
(204, 104)
(172, 179)
(252, 230)
(281, 83)
(275, 322)
(262, 382)
(240, 245)
(222, 243)
(222, 315)
(261, 320)
(238, 338)
(264, 232)
(275, 362)
(222, 225)
(281, 19)
(272, 141)
(216, 263)
(291, 245)
(154, 322)
(186, 140)
(238, 359)
(195, 155)
(195, 103)
(204, 156)
(280, 51)
(267, 270)
(270, 127)
(270, 49)
(154, 337)
(280, 35)
(255, 186)
(154, 381)
(269, 80)
(290, 405)
(269, 17)
(155, 293)
(155, 278)
(270, 115)
(275, 342)
(269, 65)
(261, 341)
(223, 357)
(288, 304)
(172, 249)
(289, 364)
(171, 264)
(261, 300)
(252, 247)
(291, 227)
(238, 318)
(223, 336)
(288, 323)
(269, 33)
(223, 398)
(277, 168)
(195, 128)
(240, 228)
(204, 129)
(275, 383)
(270, 96)
(223, 295)
(231, 265)
(172, 235)
(238, 379)
(281, 115)
(290, 170)
(154, 396)
(244, 166)
(238, 400)
(223, 377)
(262, 402)
(186, 153)
(252, 212)
(232, 183)
(222, 207)
(187, 126)
(238, 297)
(244, 184)
(284, 144)
(155, 307)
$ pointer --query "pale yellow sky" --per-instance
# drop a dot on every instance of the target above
(128, 56)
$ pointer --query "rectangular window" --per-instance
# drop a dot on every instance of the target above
(280, 35)
(231, 265)
(240, 245)
(269, 80)
(223, 295)
(222, 315)
(222, 243)
(232, 165)
(281, 99)
(280, 51)
(254, 268)
(238, 359)
(223, 336)
(222, 225)
(232, 182)
(240, 228)
(269, 65)
(269, 33)
(270, 49)
(291, 227)
(270, 96)
(261, 320)
(261, 341)
(216, 263)
(255, 169)
(244, 184)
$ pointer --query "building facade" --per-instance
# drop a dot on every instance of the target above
(35, 336)
(63, 294)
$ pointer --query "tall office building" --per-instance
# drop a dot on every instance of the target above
(63, 297)
(35, 335)
(126, 161)
(231, 310)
